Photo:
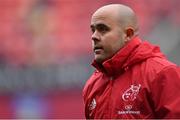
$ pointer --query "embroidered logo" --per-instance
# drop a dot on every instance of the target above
(128, 97)
(131, 93)
(93, 104)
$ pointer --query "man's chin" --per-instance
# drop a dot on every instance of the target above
(99, 59)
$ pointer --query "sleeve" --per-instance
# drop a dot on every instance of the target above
(166, 93)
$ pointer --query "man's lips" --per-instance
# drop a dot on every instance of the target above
(98, 49)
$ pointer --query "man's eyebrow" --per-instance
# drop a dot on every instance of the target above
(99, 24)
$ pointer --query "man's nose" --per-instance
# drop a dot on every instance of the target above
(95, 36)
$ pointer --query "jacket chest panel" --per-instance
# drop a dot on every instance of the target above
(109, 99)
(130, 97)
(122, 97)
(99, 100)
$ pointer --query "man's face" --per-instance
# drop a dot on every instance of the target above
(108, 36)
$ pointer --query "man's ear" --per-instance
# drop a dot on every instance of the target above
(129, 33)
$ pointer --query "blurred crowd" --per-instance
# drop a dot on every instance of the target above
(45, 51)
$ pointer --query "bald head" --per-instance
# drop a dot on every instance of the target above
(113, 26)
(124, 15)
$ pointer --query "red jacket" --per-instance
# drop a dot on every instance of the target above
(137, 82)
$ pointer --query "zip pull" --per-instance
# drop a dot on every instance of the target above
(126, 68)
(111, 78)
(111, 81)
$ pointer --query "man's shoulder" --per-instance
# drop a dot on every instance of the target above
(92, 80)
(159, 63)
(94, 77)
(154, 66)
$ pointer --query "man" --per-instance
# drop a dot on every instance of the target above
(133, 79)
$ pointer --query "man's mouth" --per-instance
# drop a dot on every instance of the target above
(98, 49)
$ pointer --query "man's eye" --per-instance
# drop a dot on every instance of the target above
(103, 29)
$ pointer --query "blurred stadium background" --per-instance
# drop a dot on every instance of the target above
(45, 51)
